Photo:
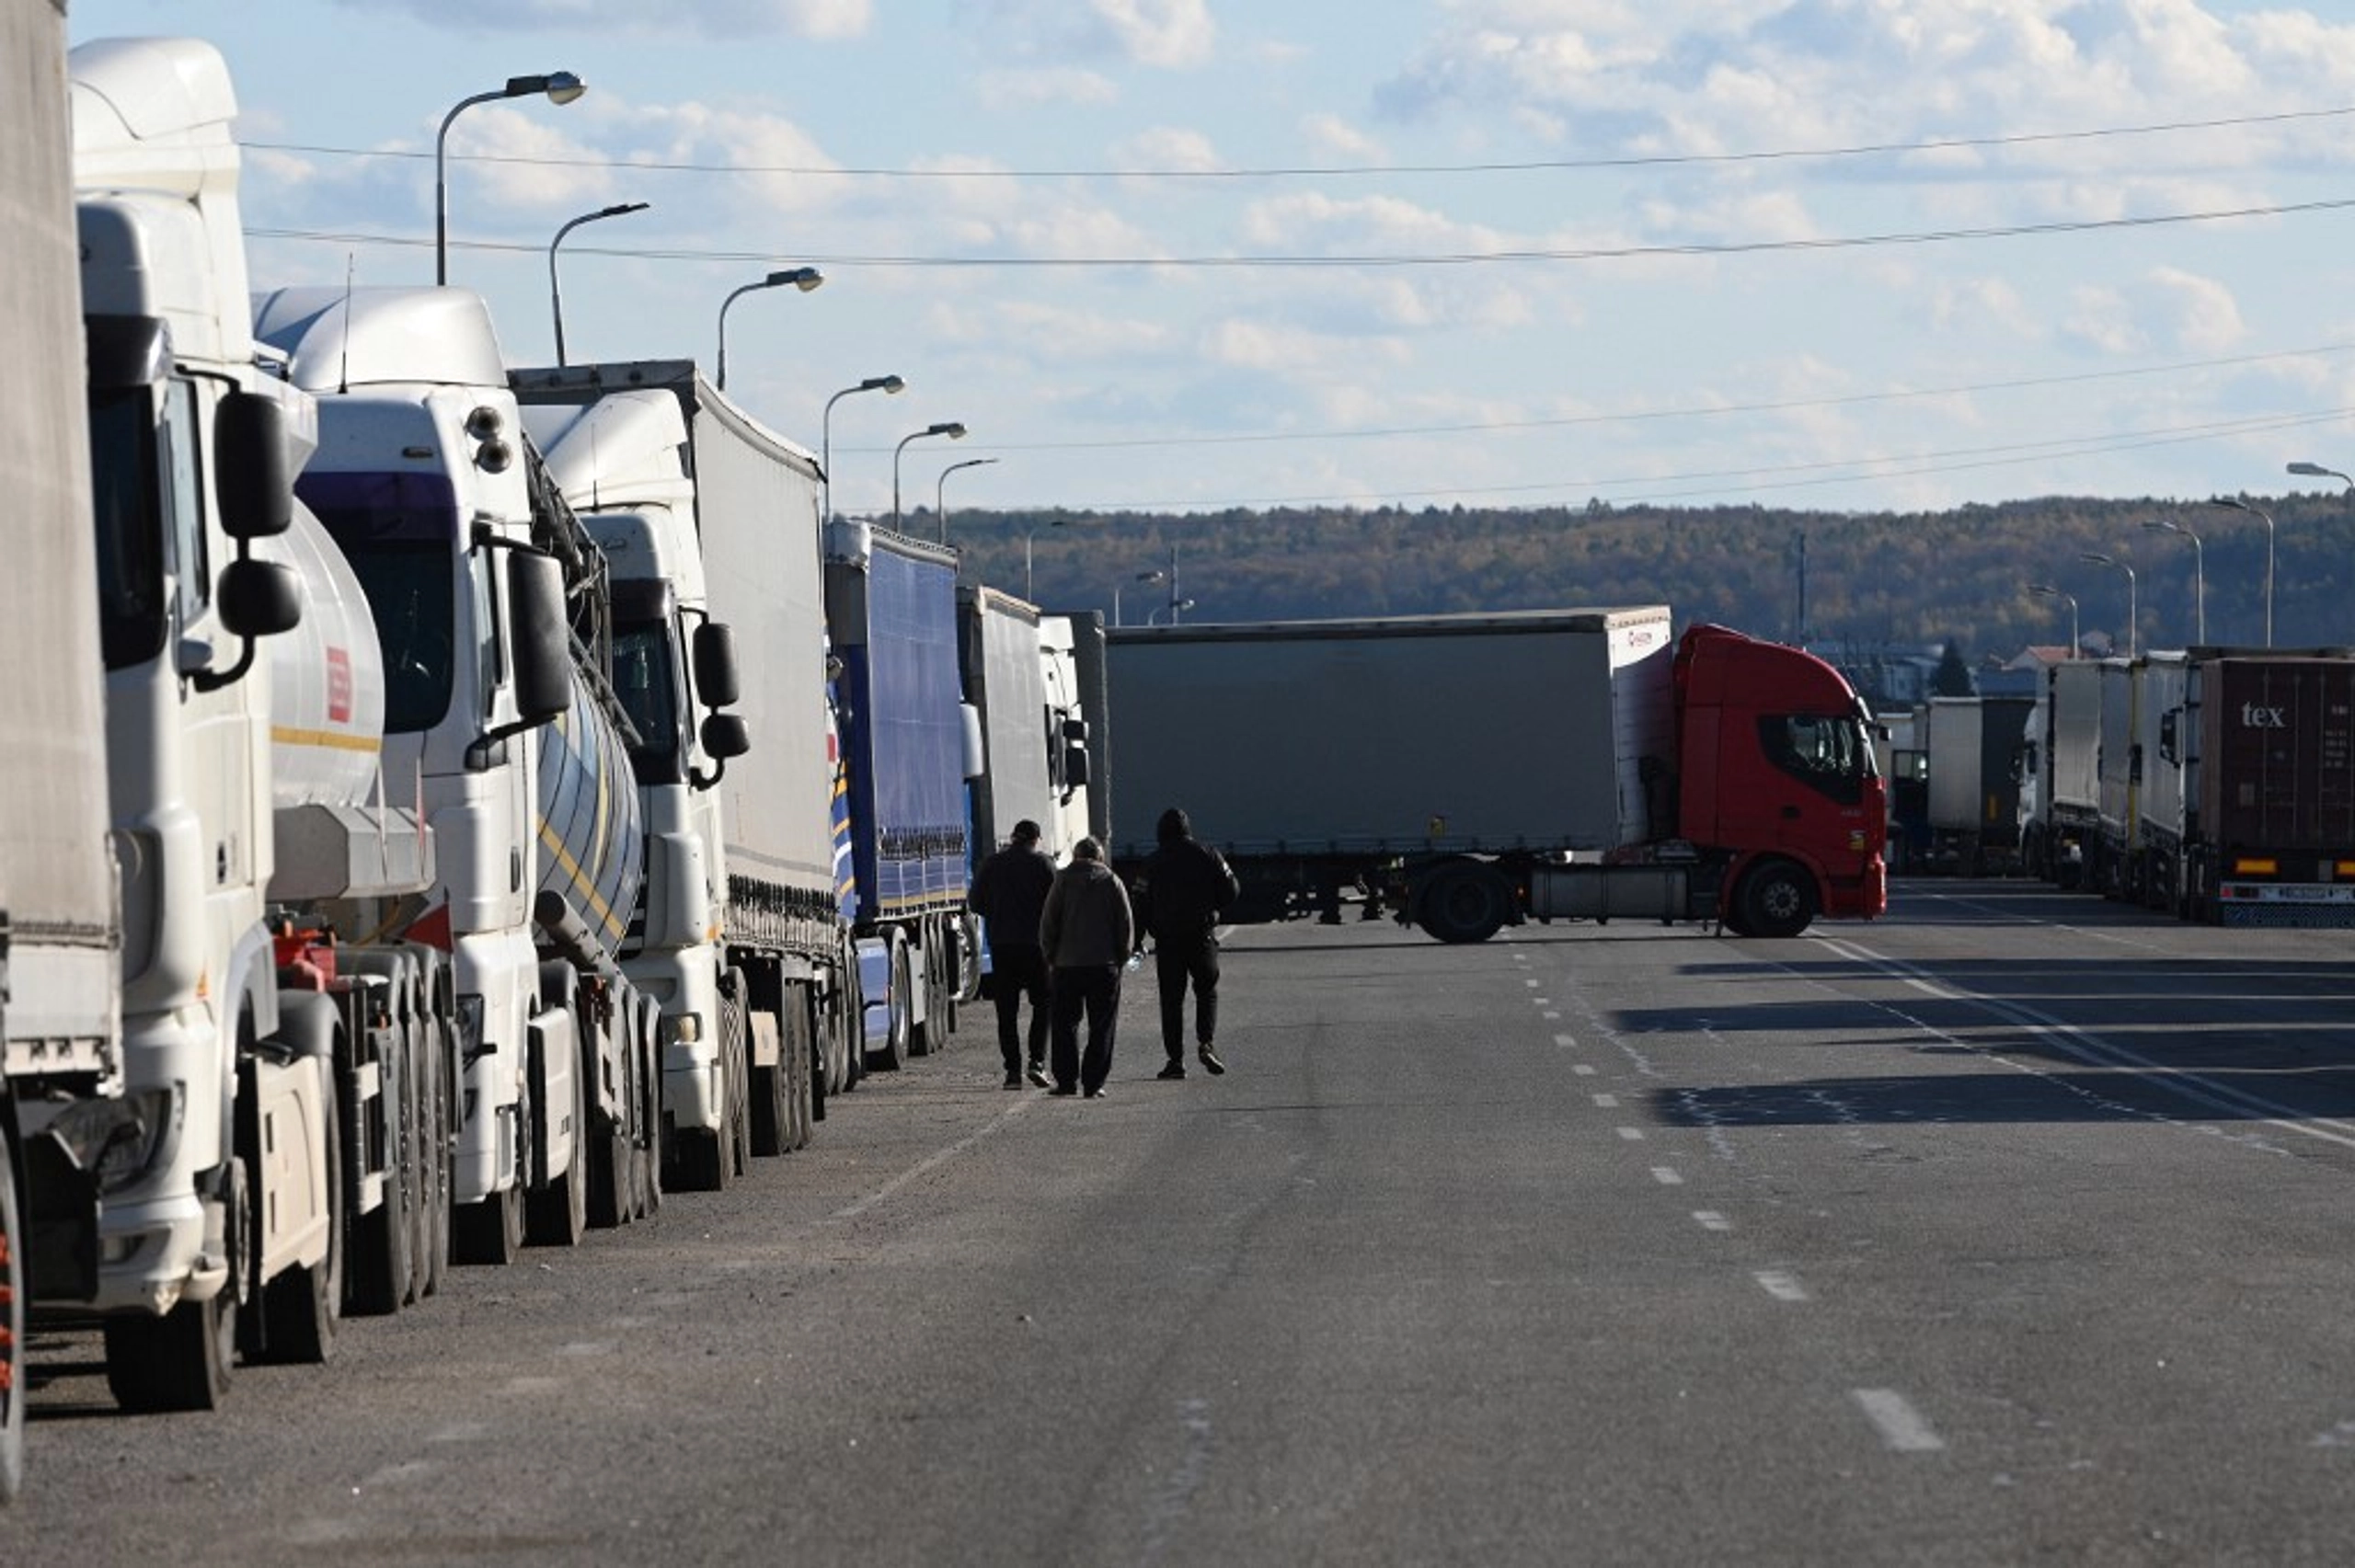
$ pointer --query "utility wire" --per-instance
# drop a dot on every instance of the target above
(1538, 166)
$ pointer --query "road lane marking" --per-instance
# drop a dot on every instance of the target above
(933, 1162)
(1667, 1176)
(1900, 1424)
(1632, 1134)
(1582, 1070)
(1712, 1221)
(2095, 1050)
(1781, 1284)
(1532, 984)
(1568, 1042)
(1608, 1102)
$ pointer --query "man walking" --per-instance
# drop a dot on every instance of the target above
(1087, 931)
(1182, 890)
(1009, 893)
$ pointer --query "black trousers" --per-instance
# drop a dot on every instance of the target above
(1095, 991)
(1176, 961)
(1017, 972)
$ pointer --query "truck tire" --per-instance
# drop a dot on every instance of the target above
(894, 1053)
(1464, 902)
(181, 1360)
(1777, 899)
(491, 1231)
(379, 1274)
(435, 1127)
(14, 1383)
(773, 1093)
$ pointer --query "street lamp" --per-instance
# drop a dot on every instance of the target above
(950, 427)
(886, 384)
(2316, 471)
(802, 278)
(2133, 645)
(1027, 534)
(2238, 504)
(2198, 577)
(1173, 606)
(939, 504)
(561, 88)
(2050, 591)
(1154, 576)
(555, 298)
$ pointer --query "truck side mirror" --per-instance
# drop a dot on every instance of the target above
(250, 477)
(715, 662)
(2169, 748)
(259, 599)
(1075, 767)
(725, 736)
(1075, 729)
(540, 636)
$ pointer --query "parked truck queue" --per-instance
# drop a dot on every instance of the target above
(454, 804)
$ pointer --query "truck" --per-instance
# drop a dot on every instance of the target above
(1973, 759)
(907, 763)
(710, 522)
(494, 611)
(287, 1080)
(2118, 775)
(1475, 770)
(1072, 655)
(2061, 806)
(62, 1111)
(2249, 797)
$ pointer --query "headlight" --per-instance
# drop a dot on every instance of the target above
(144, 1141)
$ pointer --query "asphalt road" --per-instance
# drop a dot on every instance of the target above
(2012, 1229)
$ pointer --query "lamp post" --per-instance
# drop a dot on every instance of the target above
(2239, 504)
(2050, 591)
(1173, 606)
(2316, 471)
(802, 278)
(1154, 576)
(561, 88)
(2132, 644)
(885, 384)
(1027, 534)
(2198, 577)
(950, 427)
(555, 297)
(939, 502)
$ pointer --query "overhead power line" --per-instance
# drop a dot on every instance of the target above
(1332, 171)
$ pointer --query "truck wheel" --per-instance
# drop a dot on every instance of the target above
(181, 1360)
(490, 1231)
(435, 1127)
(557, 1215)
(1466, 902)
(1777, 900)
(894, 1054)
(14, 1382)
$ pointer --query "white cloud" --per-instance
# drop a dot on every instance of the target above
(1165, 147)
(1331, 136)
(1031, 89)
(701, 18)
(1165, 34)
(2203, 315)
(2101, 320)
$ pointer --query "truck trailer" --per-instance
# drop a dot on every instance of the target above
(1973, 759)
(61, 934)
(710, 522)
(1475, 771)
(907, 760)
(2060, 807)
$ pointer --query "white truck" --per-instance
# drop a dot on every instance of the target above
(1972, 752)
(60, 1068)
(710, 522)
(493, 610)
(2060, 796)
(286, 1084)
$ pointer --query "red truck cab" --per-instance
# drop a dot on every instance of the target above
(1775, 763)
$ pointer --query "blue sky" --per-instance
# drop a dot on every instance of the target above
(1860, 255)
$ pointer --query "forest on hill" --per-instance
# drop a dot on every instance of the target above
(1911, 578)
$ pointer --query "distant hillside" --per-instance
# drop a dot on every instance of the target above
(1923, 577)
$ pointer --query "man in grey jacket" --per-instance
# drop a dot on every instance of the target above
(1086, 931)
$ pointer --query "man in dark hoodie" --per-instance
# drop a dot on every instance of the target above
(1008, 893)
(1184, 886)
(1087, 932)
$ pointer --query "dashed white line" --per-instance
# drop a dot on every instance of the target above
(1632, 1134)
(1712, 1221)
(1900, 1424)
(1566, 1042)
(1582, 1070)
(1781, 1284)
(1532, 984)
(938, 1157)
(1608, 1102)
(1667, 1176)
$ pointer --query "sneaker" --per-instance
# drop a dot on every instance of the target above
(1039, 1079)
(1014, 1080)
(1095, 1093)
(1210, 1059)
(1062, 1091)
(1174, 1070)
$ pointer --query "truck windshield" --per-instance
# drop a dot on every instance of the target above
(398, 531)
(1828, 754)
(645, 681)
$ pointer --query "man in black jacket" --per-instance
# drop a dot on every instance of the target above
(1181, 893)
(1009, 892)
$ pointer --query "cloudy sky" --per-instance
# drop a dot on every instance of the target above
(1860, 255)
